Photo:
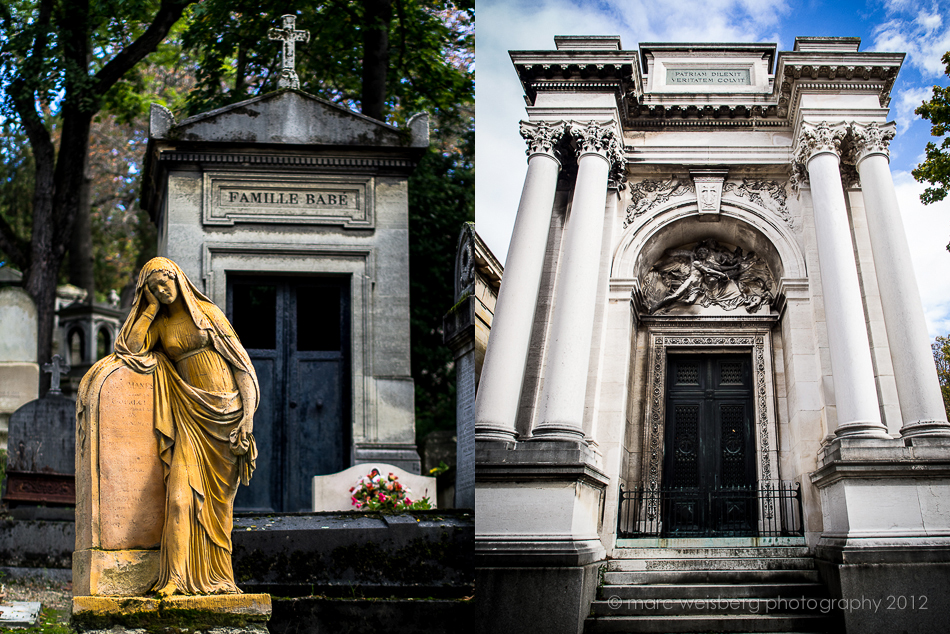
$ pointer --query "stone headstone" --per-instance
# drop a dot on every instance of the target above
(41, 453)
(19, 372)
(332, 492)
(120, 503)
(19, 613)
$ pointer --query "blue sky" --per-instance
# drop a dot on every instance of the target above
(919, 28)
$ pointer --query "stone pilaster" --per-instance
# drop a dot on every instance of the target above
(918, 389)
(496, 405)
(568, 355)
(818, 148)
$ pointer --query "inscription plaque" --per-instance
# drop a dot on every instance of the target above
(709, 76)
(318, 199)
(131, 482)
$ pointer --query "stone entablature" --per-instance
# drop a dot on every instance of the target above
(712, 86)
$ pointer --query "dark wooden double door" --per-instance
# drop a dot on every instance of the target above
(297, 333)
(709, 465)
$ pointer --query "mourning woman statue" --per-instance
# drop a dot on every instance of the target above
(206, 392)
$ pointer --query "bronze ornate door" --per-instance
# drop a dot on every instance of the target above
(709, 462)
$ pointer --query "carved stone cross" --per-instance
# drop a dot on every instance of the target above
(288, 76)
(56, 368)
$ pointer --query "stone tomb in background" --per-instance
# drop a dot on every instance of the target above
(19, 371)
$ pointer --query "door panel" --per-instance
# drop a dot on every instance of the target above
(296, 331)
(709, 463)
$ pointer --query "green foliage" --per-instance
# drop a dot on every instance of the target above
(375, 492)
(428, 44)
(941, 352)
(936, 166)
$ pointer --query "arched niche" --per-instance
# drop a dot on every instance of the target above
(750, 228)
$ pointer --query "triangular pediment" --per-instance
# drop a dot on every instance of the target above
(287, 117)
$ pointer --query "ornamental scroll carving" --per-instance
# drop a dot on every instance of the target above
(647, 194)
(542, 136)
(600, 137)
(708, 274)
(821, 137)
(869, 139)
(769, 195)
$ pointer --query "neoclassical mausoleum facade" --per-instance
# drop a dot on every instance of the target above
(709, 361)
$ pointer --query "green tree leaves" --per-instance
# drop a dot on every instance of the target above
(936, 166)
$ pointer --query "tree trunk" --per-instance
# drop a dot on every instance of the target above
(376, 23)
(81, 259)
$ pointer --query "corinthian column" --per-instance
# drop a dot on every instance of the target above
(572, 324)
(918, 389)
(499, 389)
(855, 390)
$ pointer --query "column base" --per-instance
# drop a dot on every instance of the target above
(492, 433)
(926, 428)
(862, 429)
(558, 431)
(216, 614)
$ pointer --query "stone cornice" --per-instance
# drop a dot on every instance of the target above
(622, 73)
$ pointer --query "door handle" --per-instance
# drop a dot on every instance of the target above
(293, 404)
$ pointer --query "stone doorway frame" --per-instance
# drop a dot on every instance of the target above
(691, 336)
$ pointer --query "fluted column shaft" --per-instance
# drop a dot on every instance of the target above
(918, 389)
(572, 324)
(855, 390)
(499, 389)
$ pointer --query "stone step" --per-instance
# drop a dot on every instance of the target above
(713, 623)
(712, 563)
(712, 591)
(753, 606)
(689, 552)
(656, 577)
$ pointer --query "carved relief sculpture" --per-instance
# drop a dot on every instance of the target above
(206, 392)
(708, 274)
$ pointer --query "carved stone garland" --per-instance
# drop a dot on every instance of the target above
(648, 194)
(656, 415)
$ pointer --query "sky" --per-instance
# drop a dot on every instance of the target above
(920, 28)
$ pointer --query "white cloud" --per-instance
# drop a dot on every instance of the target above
(924, 35)
(928, 232)
(906, 102)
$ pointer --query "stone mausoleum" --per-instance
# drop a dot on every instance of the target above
(709, 374)
(291, 214)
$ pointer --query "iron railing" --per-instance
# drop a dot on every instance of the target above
(769, 509)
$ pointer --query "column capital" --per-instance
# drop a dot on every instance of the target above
(818, 138)
(542, 136)
(601, 138)
(868, 139)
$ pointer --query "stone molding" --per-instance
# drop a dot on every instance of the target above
(542, 136)
(754, 340)
(339, 163)
(869, 139)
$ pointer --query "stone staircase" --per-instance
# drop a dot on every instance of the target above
(711, 589)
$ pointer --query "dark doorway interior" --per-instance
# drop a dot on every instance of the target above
(709, 464)
(297, 332)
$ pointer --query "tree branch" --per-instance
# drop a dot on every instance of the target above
(168, 14)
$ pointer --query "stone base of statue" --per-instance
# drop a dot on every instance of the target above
(216, 614)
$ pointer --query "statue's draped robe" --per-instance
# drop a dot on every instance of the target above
(197, 405)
